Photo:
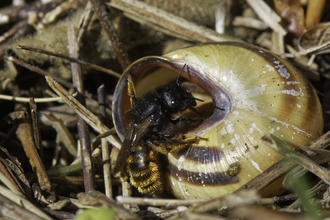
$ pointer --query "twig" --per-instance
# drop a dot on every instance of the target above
(40, 71)
(15, 13)
(25, 135)
(62, 132)
(238, 199)
(268, 15)
(249, 22)
(82, 127)
(11, 210)
(105, 145)
(278, 169)
(64, 170)
(316, 49)
(11, 32)
(22, 28)
(23, 99)
(19, 173)
(320, 42)
(78, 180)
(233, 200)
(310, 165)
(98, 199)
(13, 159)
(126, 188)
(277, 42)
(85, 20)
(314, 12)
(71, 59)
(35, 126)
(106, 23)
(220, 16)
(155, 17)
(8, 179)
(56, 12)
(22, 202)
(164, 214)
(158, 202)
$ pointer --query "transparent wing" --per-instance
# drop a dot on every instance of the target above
(133, 136)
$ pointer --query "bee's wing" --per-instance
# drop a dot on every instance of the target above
(134, 134)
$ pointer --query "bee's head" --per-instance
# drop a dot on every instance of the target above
(175, 98)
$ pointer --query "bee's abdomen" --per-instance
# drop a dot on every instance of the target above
(145, 171)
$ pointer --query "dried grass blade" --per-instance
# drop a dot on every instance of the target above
(63, 133)
(178, 26)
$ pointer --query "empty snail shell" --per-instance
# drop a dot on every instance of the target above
(254, 91)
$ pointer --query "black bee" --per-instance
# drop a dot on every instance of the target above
(152, 130)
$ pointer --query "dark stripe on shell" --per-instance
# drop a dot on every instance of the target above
(201, 154)
(200, 179)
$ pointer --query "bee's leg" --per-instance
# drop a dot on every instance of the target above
(184, 140)
(159, 147)
(177, 142)
(131, 89)
(181, 122)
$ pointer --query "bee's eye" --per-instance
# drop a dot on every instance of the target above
(175, 103)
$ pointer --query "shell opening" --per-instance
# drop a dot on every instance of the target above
(153, 72)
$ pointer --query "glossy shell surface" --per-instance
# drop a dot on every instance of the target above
(255, 93)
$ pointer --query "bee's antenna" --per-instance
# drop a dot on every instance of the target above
(222, 109)
(177, 80)
(199, 99)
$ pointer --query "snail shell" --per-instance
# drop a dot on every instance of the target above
(255, 93)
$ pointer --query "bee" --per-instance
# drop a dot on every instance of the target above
(153, 131)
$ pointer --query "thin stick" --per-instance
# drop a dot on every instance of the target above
(19, 200)
(24, 99)
(63, 132)
(278, 169)
(126, 188)
(25, 134)
(71, 59)
(314, 12)
(241, 198)
(321, 40)
(106, 23)
(35, 127)
(105, 145)
(40, 71)
(158, 202)
(220, 16)
(21, 28)
(85, 21)
(167, 23)
(310, 165)
(83, 133)
(11, 210)
(267, 15)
